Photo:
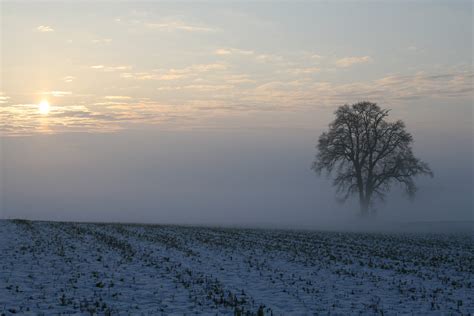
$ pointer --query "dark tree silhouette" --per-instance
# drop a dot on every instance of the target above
(367, 154)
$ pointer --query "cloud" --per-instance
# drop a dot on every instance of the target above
(57, 93)
(200, 87)
(44, 28)
(110, 68)
(116, 68)
(174, 73)
(138, 75)
(239, 79)
(428, 85)
(304, 70)
(230, 51)
(205, 67)
(3, 98)
(170, 88)
(269, 58)
(349, 61)
(102, 41)
(222, 51)
(169, 75)
(117, 97)
(25, 119)
(208, 87)
(395, 88)
(110, 103)
(172, 24)
(224, 92)
(68, 79)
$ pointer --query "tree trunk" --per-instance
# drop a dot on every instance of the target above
(364, 206)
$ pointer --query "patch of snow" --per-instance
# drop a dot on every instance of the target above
(108, 269)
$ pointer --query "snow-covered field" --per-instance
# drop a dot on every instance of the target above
(52, 268)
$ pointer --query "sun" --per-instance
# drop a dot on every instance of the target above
(43, 107)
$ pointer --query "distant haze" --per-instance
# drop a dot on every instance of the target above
(221, 176)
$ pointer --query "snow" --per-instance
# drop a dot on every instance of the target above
(109, 269)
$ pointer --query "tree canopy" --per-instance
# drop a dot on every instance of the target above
(368, 154)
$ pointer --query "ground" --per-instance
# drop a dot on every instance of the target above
(118, 269)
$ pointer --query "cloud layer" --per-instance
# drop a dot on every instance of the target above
(193, 97)
(350, 61)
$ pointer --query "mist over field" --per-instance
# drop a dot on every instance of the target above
(255, 177)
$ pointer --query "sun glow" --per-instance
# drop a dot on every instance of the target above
(43, 107)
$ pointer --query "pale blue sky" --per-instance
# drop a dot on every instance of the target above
(242, 89)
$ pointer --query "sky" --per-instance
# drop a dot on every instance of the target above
(209, 112)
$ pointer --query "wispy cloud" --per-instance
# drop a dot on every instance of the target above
(68, 79)
(174, 73)
(102, 41)
(138, 75)
(395, 88)
(222, 51)
(239, 79)
(117, 97)
(111, 68)
(269, 58)
(316, 56)
(3, 98)
(25, 119)
(198, 87)
(57, 93)
(304, 70)
(44, 28)
(230, 51)
(174, 24)
(206, 67)
(349, 61)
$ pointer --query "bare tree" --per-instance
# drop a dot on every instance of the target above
(367, 154)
